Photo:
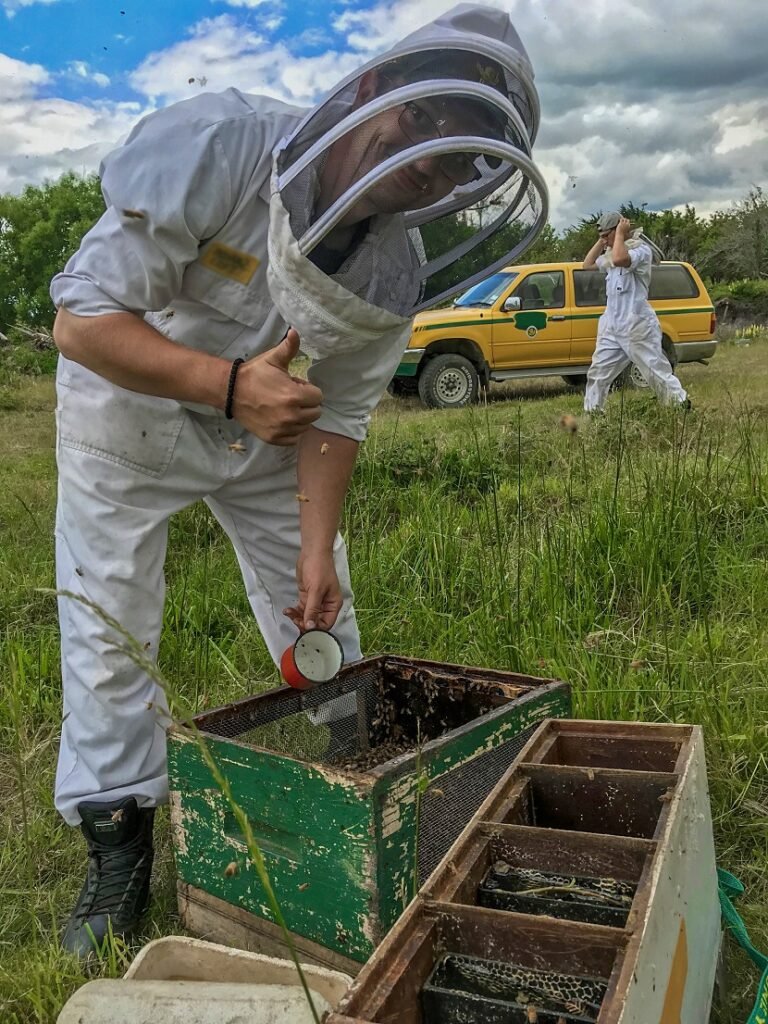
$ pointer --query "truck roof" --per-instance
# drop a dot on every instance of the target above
(519, 267)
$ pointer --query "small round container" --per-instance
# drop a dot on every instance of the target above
(315, 658)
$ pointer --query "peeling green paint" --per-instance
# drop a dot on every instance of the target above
(317, 839)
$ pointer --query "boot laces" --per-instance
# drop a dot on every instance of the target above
(113, 872)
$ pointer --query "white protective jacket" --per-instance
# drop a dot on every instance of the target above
(194, 264)
(626, 288)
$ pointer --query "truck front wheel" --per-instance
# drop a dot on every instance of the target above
(448, 382)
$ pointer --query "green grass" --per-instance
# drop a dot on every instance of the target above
(628, 559)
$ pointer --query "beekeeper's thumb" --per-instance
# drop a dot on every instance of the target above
(283, 355)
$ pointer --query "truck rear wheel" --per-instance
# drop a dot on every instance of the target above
(448, 382)
(633, 378)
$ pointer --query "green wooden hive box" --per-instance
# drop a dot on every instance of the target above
(354, 790)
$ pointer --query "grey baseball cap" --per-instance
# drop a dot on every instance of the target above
(608, 222)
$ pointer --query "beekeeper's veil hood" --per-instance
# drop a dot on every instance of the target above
(435, 134)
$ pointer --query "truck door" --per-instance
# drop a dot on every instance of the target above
(538, 333)
(589, 306)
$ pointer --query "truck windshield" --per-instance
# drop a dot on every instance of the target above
(486, 293)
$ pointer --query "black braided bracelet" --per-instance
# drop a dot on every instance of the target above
(231, 387)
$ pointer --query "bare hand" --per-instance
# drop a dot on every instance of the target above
(272, 404)
(320, 597)
(622, 228)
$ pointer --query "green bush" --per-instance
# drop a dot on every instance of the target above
(746, 288)
(39, 231)
(745, 299)
(28, 353)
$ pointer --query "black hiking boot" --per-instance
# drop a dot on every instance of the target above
(116, 889)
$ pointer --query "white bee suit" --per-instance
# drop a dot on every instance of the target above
(209, 204)
(629, 332)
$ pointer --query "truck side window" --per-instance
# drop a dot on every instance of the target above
(589, 287)
(543, 291)
(672, 282)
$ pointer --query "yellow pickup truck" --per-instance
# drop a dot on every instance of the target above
(541, 320)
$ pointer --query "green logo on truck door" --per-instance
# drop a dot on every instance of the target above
(531, 321)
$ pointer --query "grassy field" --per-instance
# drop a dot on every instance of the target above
(628, 558)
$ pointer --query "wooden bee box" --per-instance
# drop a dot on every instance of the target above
(348, 833)
(620, 807)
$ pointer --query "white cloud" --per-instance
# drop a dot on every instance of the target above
(663, 105)
(218, 49)
(42, 137)
(80, 69)
(272, 24)
(377, 28)
(18, 79)
(224, 54)
(310, 37)
(742, 125)
(12, 6)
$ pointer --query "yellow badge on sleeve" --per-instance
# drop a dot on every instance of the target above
(229, 262)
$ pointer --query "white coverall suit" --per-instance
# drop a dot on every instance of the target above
(204, 236)
(629, 332)
(199, 171)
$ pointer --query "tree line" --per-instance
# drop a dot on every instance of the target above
(43, 226)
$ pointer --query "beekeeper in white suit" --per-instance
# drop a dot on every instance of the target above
(229, 219)
(629, 330)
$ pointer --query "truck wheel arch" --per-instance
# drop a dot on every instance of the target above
(459, 347)
(668, 344)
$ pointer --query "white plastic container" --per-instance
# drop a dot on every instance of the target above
(178, 979)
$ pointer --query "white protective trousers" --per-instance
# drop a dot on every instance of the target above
(111, 537)
(635, 341)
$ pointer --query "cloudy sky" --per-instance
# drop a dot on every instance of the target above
(664, 103)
